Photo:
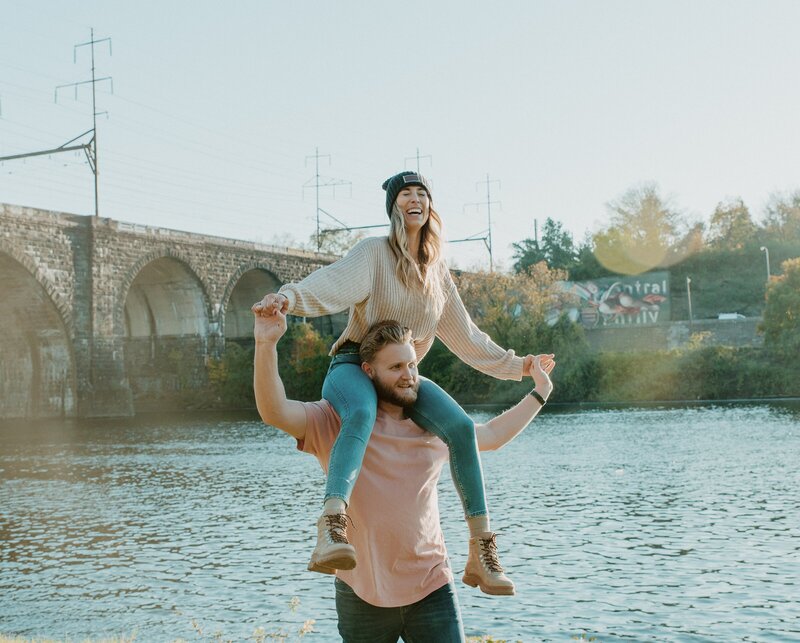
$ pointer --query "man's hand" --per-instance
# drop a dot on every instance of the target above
(505, 427)
(540, 368)
(269, 328)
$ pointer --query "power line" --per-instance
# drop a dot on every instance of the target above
(93, 156)
(487, 239)
(418, 157)
(317, 185)
(90, 148)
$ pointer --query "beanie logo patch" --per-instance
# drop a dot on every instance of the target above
(411, 178)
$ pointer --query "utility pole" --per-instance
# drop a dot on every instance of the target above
(345, 228)
(765, 250)
(315, 183)
(91, 153)
(689, 296)
(90, 148)
(418, 157)
(488, 238)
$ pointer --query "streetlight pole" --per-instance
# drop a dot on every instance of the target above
(765, 250)
(689, 295)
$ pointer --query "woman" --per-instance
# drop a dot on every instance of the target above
(401, 277)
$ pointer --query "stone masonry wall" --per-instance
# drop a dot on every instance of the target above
(42, 241)
(86, 266)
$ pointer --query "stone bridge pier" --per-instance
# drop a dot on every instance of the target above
(104, 318)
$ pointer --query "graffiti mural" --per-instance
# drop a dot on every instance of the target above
(615, 301)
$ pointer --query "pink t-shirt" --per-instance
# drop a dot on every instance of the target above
(400, 551)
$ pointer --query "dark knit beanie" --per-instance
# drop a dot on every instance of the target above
(394, 184)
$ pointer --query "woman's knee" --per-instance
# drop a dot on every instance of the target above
(361, 418)
(459, 429)
(455, 429)
(351, 394)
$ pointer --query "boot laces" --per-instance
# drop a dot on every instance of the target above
(337, 527)
(489, 554)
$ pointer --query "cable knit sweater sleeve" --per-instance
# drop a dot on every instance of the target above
(335, 287)
(474, 347)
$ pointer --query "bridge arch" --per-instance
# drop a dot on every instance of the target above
(37, 371)
(64, 308)
(164, 272)
(249, 283)
(165, 321)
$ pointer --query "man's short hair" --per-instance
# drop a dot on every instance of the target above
(379, 335)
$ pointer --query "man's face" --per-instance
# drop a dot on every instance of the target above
(393, 371)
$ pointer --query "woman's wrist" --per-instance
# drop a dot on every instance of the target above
(541, 394)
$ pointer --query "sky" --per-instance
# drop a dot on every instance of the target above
(218, 109)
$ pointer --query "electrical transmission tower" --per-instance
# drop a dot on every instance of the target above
(315, 183)
(487, 234)
(90, 148)
(418, 158)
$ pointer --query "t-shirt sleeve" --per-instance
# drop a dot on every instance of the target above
(322, 427)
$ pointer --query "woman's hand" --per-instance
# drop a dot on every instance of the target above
(271, 304)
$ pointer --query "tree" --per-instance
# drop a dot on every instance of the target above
(586, 264)
(557, 249)
(508, 307)
(512, 309)
(527, 253)
(731, 225)
(558, 245)
(783, 215)
(645, 232)
(336, 242)
(782, 314)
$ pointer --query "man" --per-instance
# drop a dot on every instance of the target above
(402, 586)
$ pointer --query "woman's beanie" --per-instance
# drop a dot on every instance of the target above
(394, 184)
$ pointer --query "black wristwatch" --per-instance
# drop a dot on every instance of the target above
(534, 393)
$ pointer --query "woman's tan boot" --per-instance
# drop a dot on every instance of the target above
(483, 568)
(333, 551)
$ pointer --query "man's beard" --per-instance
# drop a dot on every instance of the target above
(403, 397)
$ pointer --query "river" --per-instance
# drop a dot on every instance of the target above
(654, 524)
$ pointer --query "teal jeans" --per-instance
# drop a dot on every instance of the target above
(353, 397)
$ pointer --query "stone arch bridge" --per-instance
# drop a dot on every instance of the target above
(105, 318)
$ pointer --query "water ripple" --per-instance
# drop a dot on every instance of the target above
(626, 525)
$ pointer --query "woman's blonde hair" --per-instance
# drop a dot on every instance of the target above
(426, 272)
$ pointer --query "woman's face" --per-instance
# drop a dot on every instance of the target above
(415, 205)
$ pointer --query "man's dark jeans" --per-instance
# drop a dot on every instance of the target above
(434, 619)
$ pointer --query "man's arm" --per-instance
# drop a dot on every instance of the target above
(273, 407)
(500, 430)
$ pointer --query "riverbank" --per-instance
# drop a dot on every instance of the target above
(258, 637)
(567, 407)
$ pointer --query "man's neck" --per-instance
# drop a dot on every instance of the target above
(392, 410)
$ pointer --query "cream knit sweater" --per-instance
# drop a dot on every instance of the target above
(365, 282)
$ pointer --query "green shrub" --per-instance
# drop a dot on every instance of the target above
(303, 359)
(782, 314)
(231, 376)
(702, 373)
